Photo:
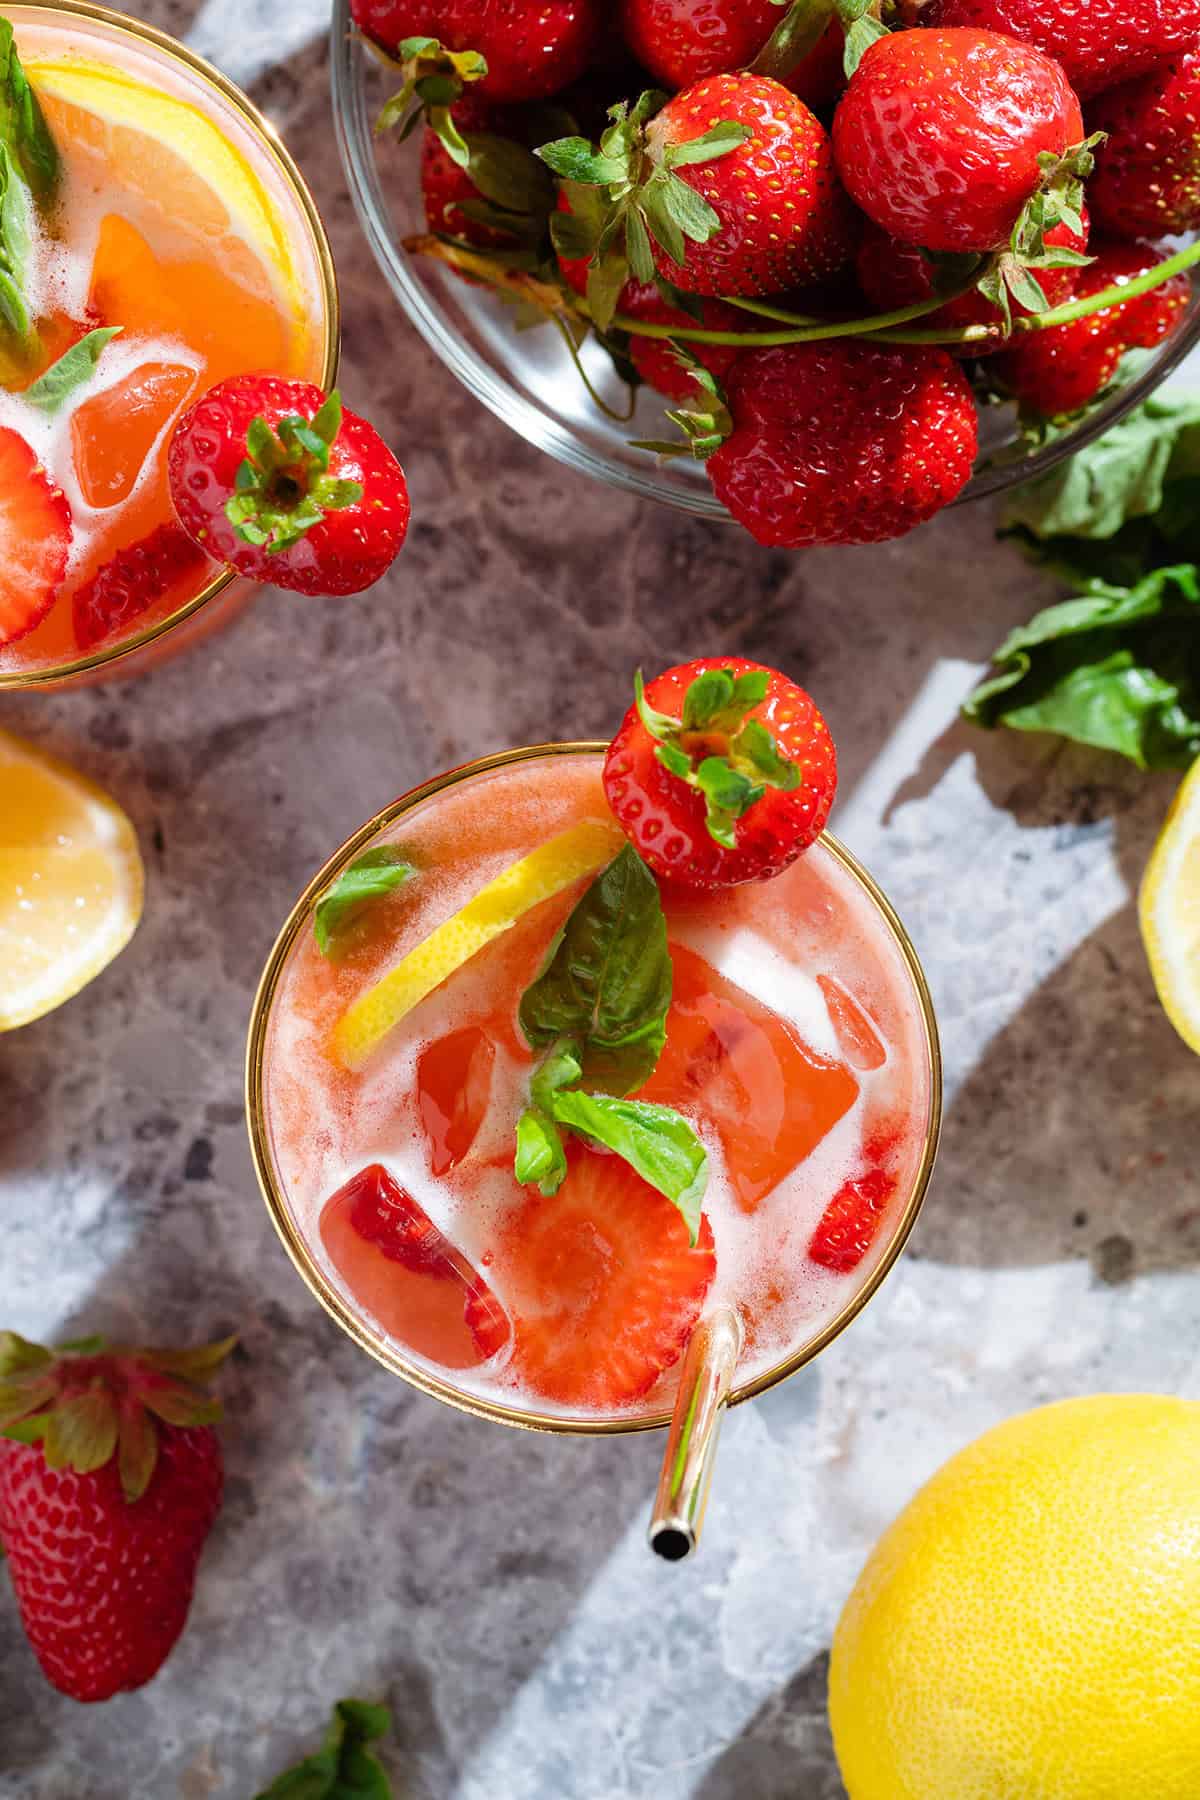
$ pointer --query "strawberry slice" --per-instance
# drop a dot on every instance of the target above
(847, 1228)
(408, 1274)
(35, 538)
(454, 1084)
(131, 582)
(604, 1288)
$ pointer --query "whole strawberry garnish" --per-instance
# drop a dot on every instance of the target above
(132, 581)
(110, 1481)
(1098, 42)
(893, 275)
(1060, 369)
(270, 476)
(944, 137)
(836, 442)
(723, 771)
(682, 41)
(1147, 180)
(532, 48)
(35, 538)
(729, 189)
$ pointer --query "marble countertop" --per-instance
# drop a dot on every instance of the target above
(493, 1585)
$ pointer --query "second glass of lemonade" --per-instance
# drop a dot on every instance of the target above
(800, 1045)
(179, 218)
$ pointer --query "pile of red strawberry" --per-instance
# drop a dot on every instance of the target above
(974, 165)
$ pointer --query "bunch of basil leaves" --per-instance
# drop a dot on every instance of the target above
(1117, 665)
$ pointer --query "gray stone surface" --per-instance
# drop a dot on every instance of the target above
(493, 1585)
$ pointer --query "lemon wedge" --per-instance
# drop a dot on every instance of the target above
(1169, 911)
(70, 882)
(164, 148)
(579, 851)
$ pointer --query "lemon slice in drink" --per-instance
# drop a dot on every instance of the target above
(579, 851)
(154, 144)
(1169, 911)
(70, 882)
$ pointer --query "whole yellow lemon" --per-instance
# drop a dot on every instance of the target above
(1029, 1628)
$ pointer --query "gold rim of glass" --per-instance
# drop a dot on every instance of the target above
(388, 1353)
(278, 153)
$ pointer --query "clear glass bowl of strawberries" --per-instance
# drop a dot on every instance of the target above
(825, 267)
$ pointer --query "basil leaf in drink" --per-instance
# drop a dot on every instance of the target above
(344, 1768)
(606, 985)
(29, 170)
(541, 1156)
(23, 127)
(371, 875)
(655, 1140)
(74, 369)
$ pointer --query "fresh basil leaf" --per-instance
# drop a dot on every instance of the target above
(74, 369)
(16, 211)
(1117, 668)
(541, 1156)
(1123, 475)
(606, 984)
(23, 127)
(343, 1768)
(374, 873)
(655, 1140)
(562, 1068)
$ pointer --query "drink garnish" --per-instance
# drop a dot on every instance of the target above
(721, 772)
(599, 1009)
(29, 172)
(730, 758)
(546, 871)
(73, 370)
(375, 873)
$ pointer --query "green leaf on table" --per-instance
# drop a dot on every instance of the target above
(375, 873)
(1122, 475)
(1118, 665)
(73, 370)
(606, 984)
(1117, 668)
(343, 1768)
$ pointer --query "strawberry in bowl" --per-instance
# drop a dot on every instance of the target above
(816, 188)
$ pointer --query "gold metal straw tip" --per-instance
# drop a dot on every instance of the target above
(705, 1382)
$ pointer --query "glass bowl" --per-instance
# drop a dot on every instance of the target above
(527, 378)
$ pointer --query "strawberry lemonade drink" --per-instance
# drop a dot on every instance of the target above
(526, 1107)
(159, 241)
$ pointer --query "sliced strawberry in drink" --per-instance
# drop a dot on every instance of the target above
(35, 538)
(857, 1037)
(408, 1275)
(748, 1072)
(132, 582)
(604, 1288)
(454, 1085)
(847, 1228)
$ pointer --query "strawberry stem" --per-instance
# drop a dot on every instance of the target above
(284, 485)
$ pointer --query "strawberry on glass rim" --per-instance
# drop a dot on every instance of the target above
(723, 771)
(271, 476)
